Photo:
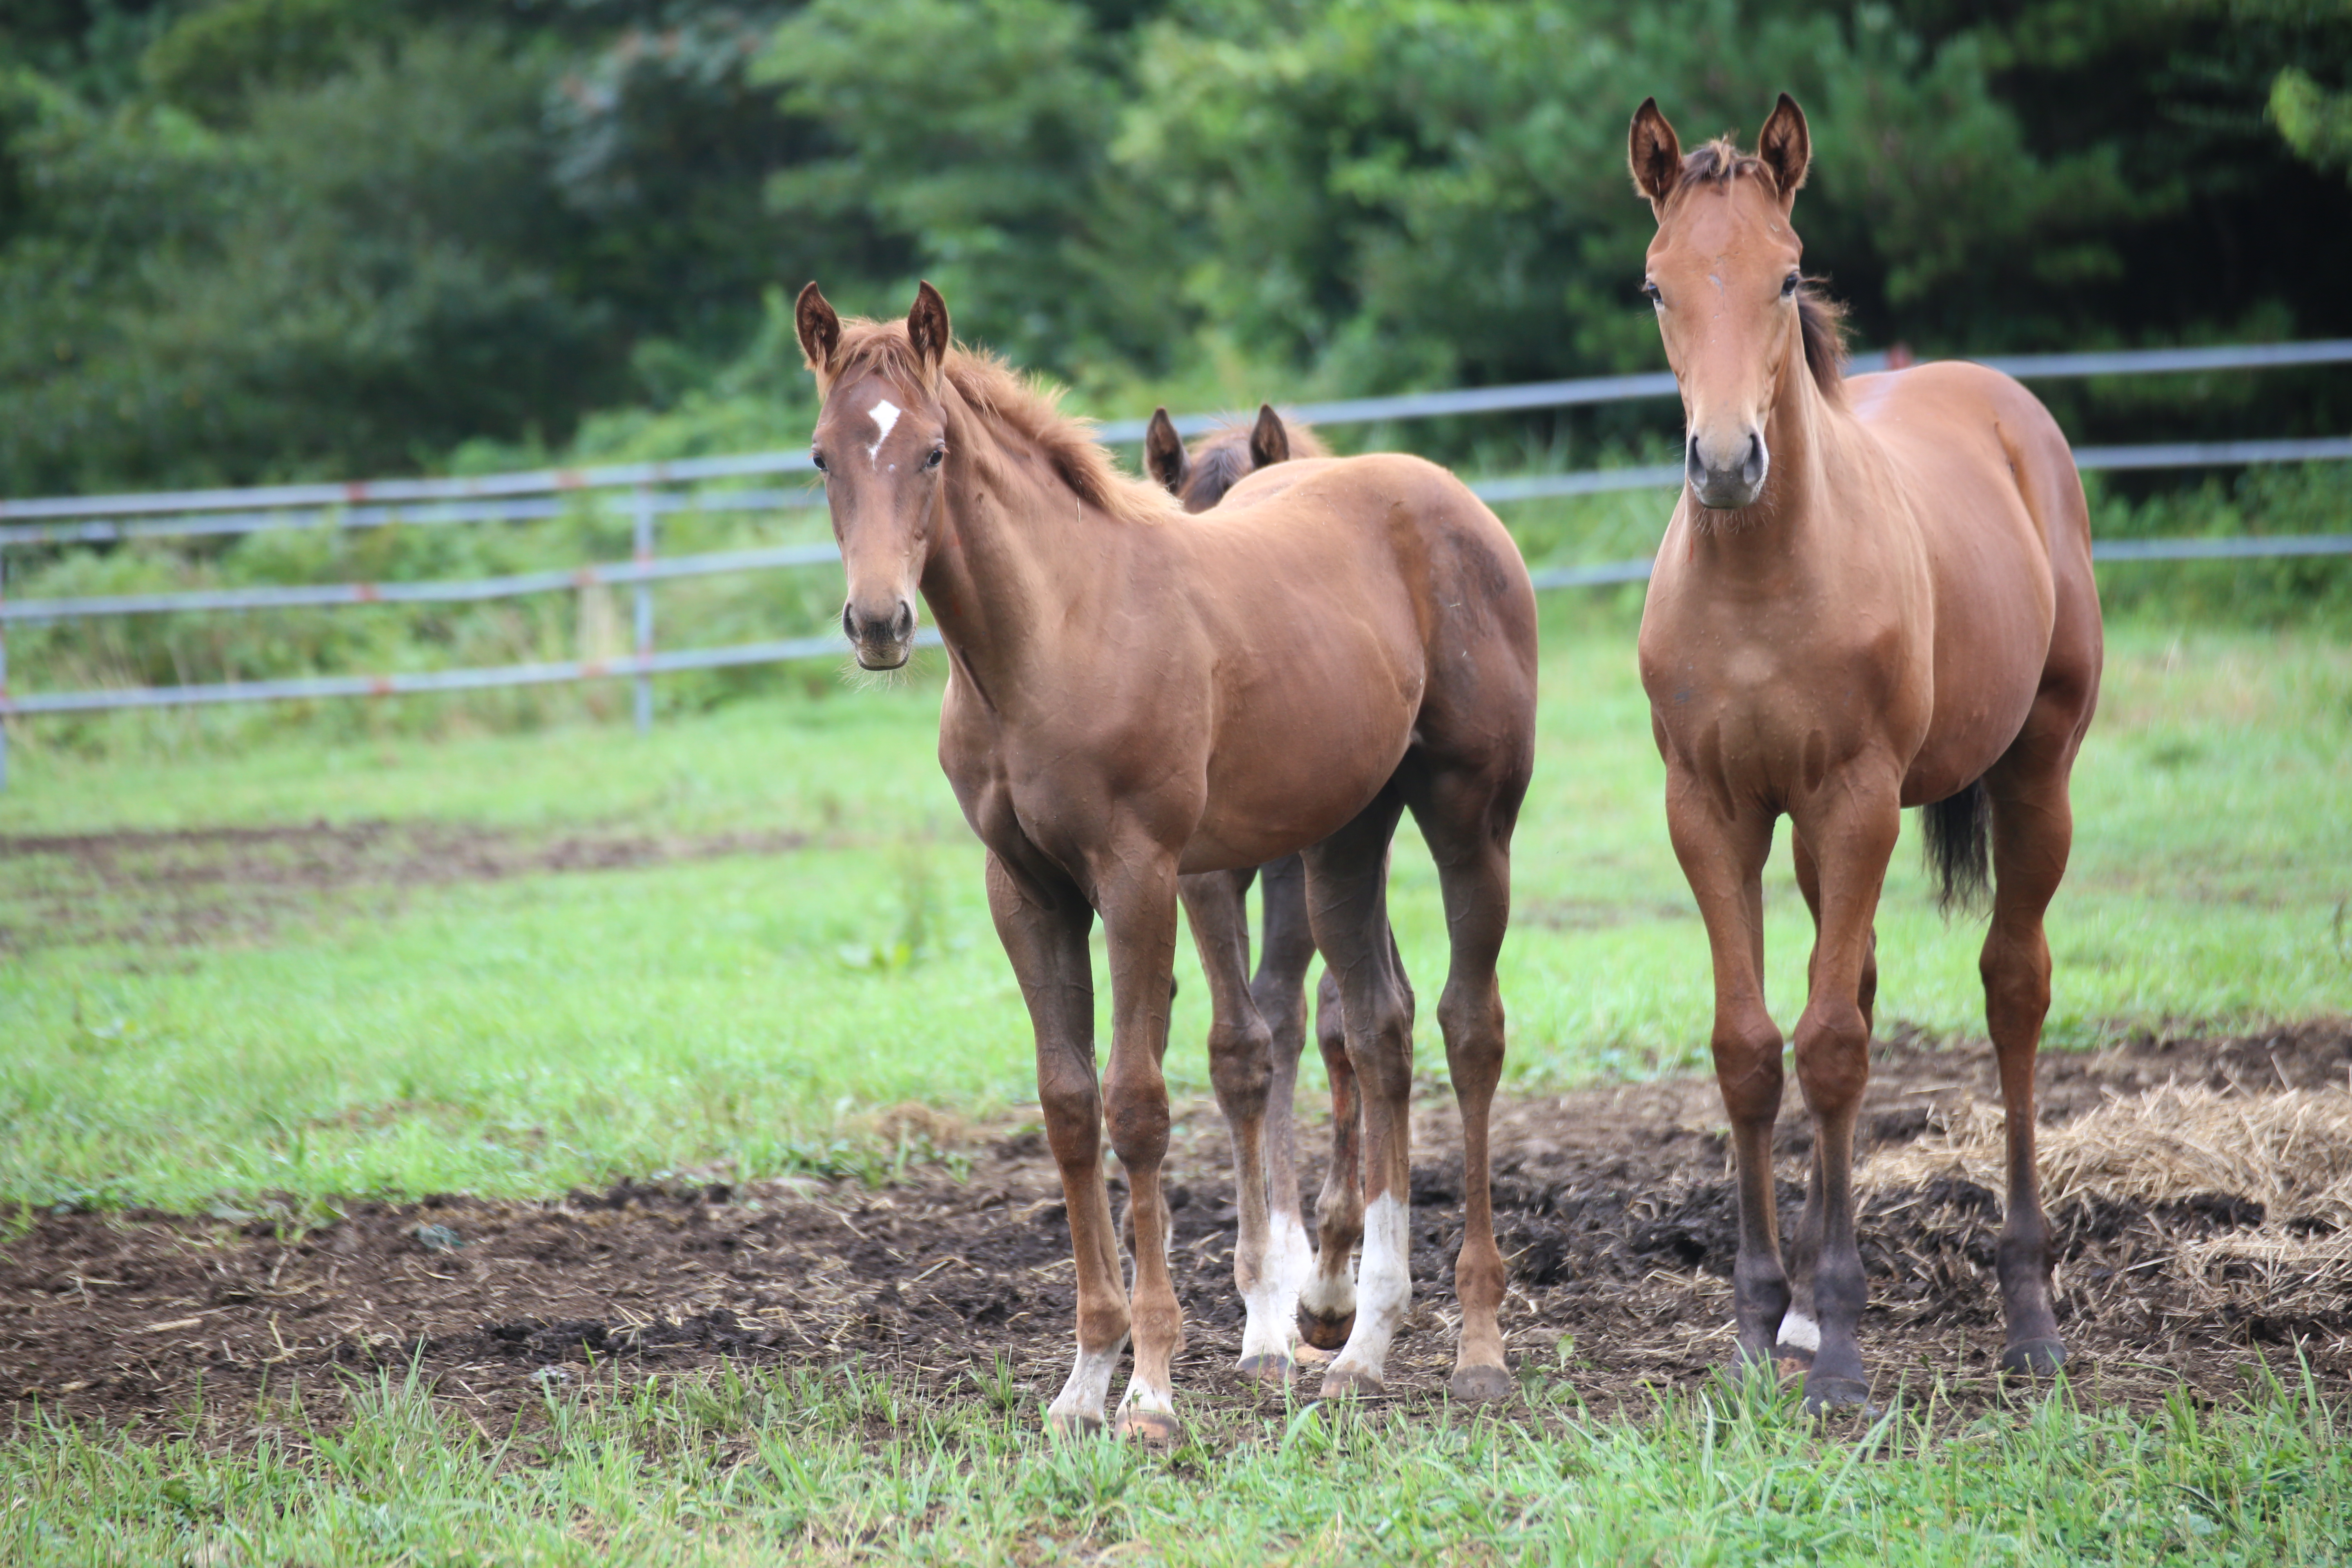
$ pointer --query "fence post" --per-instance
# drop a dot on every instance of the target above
(645, 608)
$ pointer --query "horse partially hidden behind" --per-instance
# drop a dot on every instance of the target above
(1875, 592)
(1134, 696)
(1282, 1271)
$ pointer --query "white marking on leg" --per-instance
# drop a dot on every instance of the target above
(885, 415)
(1140, 1395)
(1383, 1286)
(1293, 1265)
(1330, 1291)
(1799, 1332)
(1082, 1398)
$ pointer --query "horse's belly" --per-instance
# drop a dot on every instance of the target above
(1285, 774)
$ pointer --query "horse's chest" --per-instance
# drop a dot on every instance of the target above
(1753, 721)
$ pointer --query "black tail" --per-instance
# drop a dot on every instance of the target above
(1958, 829)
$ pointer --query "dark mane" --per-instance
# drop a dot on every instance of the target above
(1823, 319)
(1003, 398)
(1221, 459)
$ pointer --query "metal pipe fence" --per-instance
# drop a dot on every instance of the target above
(649, 491)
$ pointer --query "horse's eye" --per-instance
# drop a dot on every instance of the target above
(1650, 292)
(1789, 285)
(818, 458)
(938, 454)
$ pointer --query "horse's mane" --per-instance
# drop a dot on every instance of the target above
(1221, 460)
(1002, 396)
(1821, 319)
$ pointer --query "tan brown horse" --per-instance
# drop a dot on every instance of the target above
(1283, 1279)
(1875, 592)
(1133, 696)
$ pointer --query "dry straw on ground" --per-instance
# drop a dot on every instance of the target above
(2290, 1151)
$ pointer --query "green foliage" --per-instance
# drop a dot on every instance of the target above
(2316, 123)
(259, 237)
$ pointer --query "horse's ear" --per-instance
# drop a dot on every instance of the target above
(926, 328)
(1163, 453)
(1655, 154)
(1786, 147)
(820, 331)
(1269, 440)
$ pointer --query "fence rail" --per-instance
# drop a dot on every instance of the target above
(649, 491)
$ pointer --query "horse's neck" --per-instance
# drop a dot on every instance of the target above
(990, 579)
(1777, 542)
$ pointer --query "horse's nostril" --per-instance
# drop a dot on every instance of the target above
(1752, 471)
(902, 625)
(849, 622)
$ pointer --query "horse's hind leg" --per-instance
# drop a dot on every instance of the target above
(1348, 901)
(1280, 992)
(1044, 935)
(2033, 831)
(1327, 1306)
(1467, 820)
(1240, 1066)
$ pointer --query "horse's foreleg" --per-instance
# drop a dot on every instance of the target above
(1327, 1306)
(1241, 1067)
(1800, 1334)
(1347, 900)
(1850, 830)
(1137, 888)
(1722, 851)
(2032, 831)
(1044, 935)
(1280, 992)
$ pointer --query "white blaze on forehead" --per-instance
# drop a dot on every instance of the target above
(885, 415)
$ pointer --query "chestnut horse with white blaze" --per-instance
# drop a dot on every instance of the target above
(1134, 696)
(1875, 592)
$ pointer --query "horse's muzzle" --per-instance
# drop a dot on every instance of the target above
(880, 642)
(1727, 480)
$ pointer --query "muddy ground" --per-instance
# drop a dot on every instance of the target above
(1612, 1203)
(186, 887)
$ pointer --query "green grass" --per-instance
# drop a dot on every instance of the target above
(797, 1466)
(522, 1036)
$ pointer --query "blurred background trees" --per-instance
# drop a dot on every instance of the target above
(245, 239)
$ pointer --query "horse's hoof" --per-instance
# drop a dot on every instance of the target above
(1343, 1382)
(1823, 1395)
(2033, 1358)
(1152, 1428)
(1273, 1371)
(1325, 1333)
(1312, 1355)
(1062, 1426)
(1481, 1385)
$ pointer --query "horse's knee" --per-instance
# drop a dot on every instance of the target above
(1747, 1068)
(1072, 1104)
(1834, 1056)
(1241, 1062)
(1135, 1107)
(1471, 1018)
(1381, 1054)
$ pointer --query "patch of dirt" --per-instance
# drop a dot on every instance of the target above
(1614, 1204)
(206, 885)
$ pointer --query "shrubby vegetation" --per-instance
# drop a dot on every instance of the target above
(243, 240)
(251, 238)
